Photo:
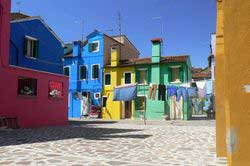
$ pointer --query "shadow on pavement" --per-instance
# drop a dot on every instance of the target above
(74, 131)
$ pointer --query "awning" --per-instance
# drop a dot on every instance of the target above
(125, 93)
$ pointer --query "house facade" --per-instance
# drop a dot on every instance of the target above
(33, 44)
(85, 67)
(159, 71)
(117, 75)
(33, 98)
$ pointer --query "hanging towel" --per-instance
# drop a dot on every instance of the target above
(172, 90)
(182, 92)
(128, 93)
(202, 93)
(192, 92)
(209, 87)
(201, 84)
(162, 92)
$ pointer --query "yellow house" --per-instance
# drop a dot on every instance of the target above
(233, 81)
(116, 75)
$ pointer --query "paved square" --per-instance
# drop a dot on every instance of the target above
(112, 143)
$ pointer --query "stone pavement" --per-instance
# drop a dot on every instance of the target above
(112, 143)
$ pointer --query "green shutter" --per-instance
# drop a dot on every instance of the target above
(169, 74)
(181, 74)
(25, 42)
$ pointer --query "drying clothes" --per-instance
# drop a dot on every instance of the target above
(172, 91)
(182, 92)
(202, 93)
(209, 87)
(197, 105)
(126, 93)
(152, 91)
(192, 92)
(201, 84)
(162, 92)
(85, 106)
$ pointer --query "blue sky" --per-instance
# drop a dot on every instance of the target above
(187, 24)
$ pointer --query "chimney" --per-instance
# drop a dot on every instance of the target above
(114, 56)
(156, 50)
(4, 32)
(77, 48)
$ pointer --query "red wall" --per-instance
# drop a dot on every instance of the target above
(35, 111)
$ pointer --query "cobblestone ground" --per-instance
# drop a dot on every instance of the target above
(112, 143)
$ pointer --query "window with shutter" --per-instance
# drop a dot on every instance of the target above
(31, 47)
(66, 71)
(83, 72)
(107, 79)
(94, 46)
(95, 71)
(175, 74)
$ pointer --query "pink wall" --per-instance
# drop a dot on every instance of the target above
(35, 111)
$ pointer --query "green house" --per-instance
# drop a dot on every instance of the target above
(157, 69)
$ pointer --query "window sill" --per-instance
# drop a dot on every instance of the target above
(30, 57)
(56, 98)
(27, 96)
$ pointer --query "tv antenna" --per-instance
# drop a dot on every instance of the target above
(18, 3)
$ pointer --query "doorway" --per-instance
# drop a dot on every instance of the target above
(128, 109)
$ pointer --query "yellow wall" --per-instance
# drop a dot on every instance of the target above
(114, 108)
(236, 25)
(220, 85)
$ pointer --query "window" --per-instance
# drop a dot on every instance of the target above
(95, 71)
(83, 72)
(55, 89)
(127, 78)
(143, 76)
(31, 47)
(97, 95)
(94, 47)
(66, 71)
(104, 101)
(141, 103)
(176, 74)
(107, 79)
(27, 86)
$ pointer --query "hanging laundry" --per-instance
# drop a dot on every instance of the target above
(202, 93)
(201, 84)
(172, 90)
(209, 88)
(162, 92)
(152, 91)
(182, 92)
(196, 102)
(192, 91)
(125, 93)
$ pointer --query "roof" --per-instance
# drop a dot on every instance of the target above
(125, 37)
(147, 60)
(200, 73)
(19, 17)
(68, 50)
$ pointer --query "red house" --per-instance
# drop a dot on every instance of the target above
(35, 98)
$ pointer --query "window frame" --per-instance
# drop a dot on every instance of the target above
(28, 78)
(145, 101)
(80, 72)
(172, 67)
(127, 72)
(98, 48)
(69, 71)
(143, 69)
(106, 101)
(99, 95)
(105, 79)
(29, 38)
(99, 73)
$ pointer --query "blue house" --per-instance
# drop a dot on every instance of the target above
(84, 62)
(33, 44)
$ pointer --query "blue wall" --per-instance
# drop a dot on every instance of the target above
(50, 49)
(85, 58)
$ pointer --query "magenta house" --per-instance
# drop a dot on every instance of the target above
(33, 98)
